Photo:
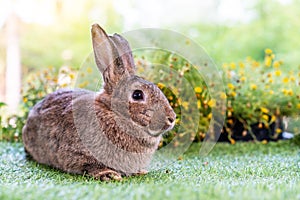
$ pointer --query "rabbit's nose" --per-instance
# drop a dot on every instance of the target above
(171, 120)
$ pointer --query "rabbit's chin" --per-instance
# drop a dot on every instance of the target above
(155, 133)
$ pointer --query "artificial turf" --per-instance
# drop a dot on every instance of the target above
(240, 171)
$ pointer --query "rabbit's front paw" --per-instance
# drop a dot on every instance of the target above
(107, 175)
(141, 172)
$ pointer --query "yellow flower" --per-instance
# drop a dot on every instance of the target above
(25, 99)
(198, 104)
(271, 92)
(268, 51)
(276, 64)
(223, 95)
(211, 103)
(278, 73)
(242, 65)
(243, 78)
(55, 80)
(233, 94)
(229, 113)
(175, 92)
(40, 94)
(198, 89)
(232, 65)
(273, 56)
(285, 92)
(160, 85)
(179, 101)
(278, 130)
(293, 79)
(72, 76)
(268, 61)
(209, 116)
(185, 105)
(273, 118)
(89, 70)
(298, 106)
(225, 65)
(270, 80)
(65, 85)
(285, 80)
(230, 86)
(264, 110)
(232, 141)
(269, 75)
(83, 84)
(253, 87)
(255, 64)
(265, 117)
(264, 142)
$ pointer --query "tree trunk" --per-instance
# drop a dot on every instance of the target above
(13, 64)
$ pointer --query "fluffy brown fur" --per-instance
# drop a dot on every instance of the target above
(107, 134)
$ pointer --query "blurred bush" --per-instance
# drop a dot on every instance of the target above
(261, 93)
(258, 94)
(36, 87)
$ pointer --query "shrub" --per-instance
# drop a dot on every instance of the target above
(36, 87)
(261, 93)
(258, 95)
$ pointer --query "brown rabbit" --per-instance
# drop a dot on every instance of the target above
(107, 134)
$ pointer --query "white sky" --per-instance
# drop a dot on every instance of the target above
(29, 10)
(143, 13)
(156, 12)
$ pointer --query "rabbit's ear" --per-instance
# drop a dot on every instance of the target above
(113, 57)
(124, 52)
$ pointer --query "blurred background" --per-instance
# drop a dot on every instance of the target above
(36, 34)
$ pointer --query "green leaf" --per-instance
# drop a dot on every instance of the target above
(2, 104)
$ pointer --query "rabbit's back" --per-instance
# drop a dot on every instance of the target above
(50, 135)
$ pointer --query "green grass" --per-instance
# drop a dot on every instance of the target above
(241, 171)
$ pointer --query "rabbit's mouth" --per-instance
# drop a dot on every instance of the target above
(167, 127)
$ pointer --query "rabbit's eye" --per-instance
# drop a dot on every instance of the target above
(138, 95)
